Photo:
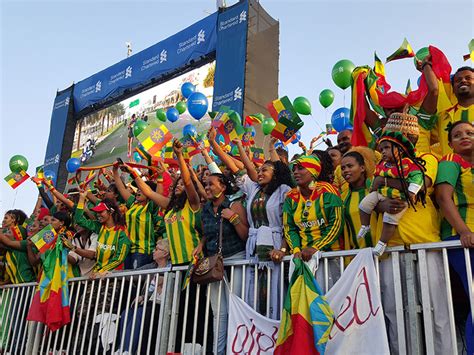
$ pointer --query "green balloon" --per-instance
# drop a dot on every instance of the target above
(302, 105)
(138, 127)
(326, 98)
(235, 116)
(267, 125)
(161, 114)
(181, 107)
(420, 55)
(342, 73)
(18, 163)
(261, 116)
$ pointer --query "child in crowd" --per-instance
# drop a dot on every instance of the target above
(403, 177)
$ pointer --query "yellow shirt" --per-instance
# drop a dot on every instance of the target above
(423, 225)
(435, 140)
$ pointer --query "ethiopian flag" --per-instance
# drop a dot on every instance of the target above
(258, 156)
(170, 157)
(16, 179)
(228, 125)
(50, 303)
(44, 239)
(405, 51)
(154, 138)
(287, 120)
(254, 119)
(247, 138)
(306, 316)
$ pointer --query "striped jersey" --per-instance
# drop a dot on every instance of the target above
(315, 222)
(351, 199)
(458, 173)
(434, 132)
(183, 232)
(113, 244)
(17, 267)
(411, 174)
(141, 220)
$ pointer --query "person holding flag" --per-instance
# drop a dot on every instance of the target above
(312, 216)
(141, 218)
(113, 244)
(266, 190)
(13, 240)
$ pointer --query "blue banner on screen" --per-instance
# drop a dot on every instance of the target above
(160, 59)
(56, 131)
(231, 51)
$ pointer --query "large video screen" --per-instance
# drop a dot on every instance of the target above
(104, 135)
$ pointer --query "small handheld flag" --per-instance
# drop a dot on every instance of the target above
(16, 179)
(44, 239)
(154, 138)
(405, 51)
(287, 120)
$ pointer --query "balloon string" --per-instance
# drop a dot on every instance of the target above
(344, 98)
(317, 124)
(14, 199)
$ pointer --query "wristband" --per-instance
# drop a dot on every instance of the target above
(424, 65)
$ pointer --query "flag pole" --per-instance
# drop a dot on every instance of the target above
(14, 198)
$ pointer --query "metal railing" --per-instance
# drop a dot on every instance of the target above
(106, 316)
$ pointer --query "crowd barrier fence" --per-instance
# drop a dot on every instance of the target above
(102, 309)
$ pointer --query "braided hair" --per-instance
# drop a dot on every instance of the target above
(403, 148)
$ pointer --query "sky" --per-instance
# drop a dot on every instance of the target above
(45, 46)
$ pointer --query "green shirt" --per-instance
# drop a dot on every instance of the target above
(17, 266)
(458, 173)
(141, 221)
(113, 244)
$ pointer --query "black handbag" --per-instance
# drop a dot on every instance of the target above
(211, 268)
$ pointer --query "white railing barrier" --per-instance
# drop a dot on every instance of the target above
(104, 310)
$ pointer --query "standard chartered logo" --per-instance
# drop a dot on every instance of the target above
(201, 37)
(66, 101)
(128, 72)
(238, 93)
(163, 56)
(98, 86)
(243, 16)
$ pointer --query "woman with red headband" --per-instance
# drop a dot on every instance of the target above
(312, 214)
(113, 244)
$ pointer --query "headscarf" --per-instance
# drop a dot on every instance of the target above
(310, 163)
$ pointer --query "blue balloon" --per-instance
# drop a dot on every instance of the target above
(252, 131)
(72, 165)
(297, 138)
(172, 114)
(187, 89)
(340, 119)
(190, 130)
(220, 139)
(137, 157)
(280, 145)
(197, 105)
(51, 175)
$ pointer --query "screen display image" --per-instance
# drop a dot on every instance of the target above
(105, 135)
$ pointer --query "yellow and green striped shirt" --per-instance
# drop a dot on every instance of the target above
(113, 244)
(141, 220)
(351, 200)
(458, 173)
(316, 222)
(17, 266)
(183, 232)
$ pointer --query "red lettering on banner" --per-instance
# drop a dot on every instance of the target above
(351, 307)
(251, 341)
